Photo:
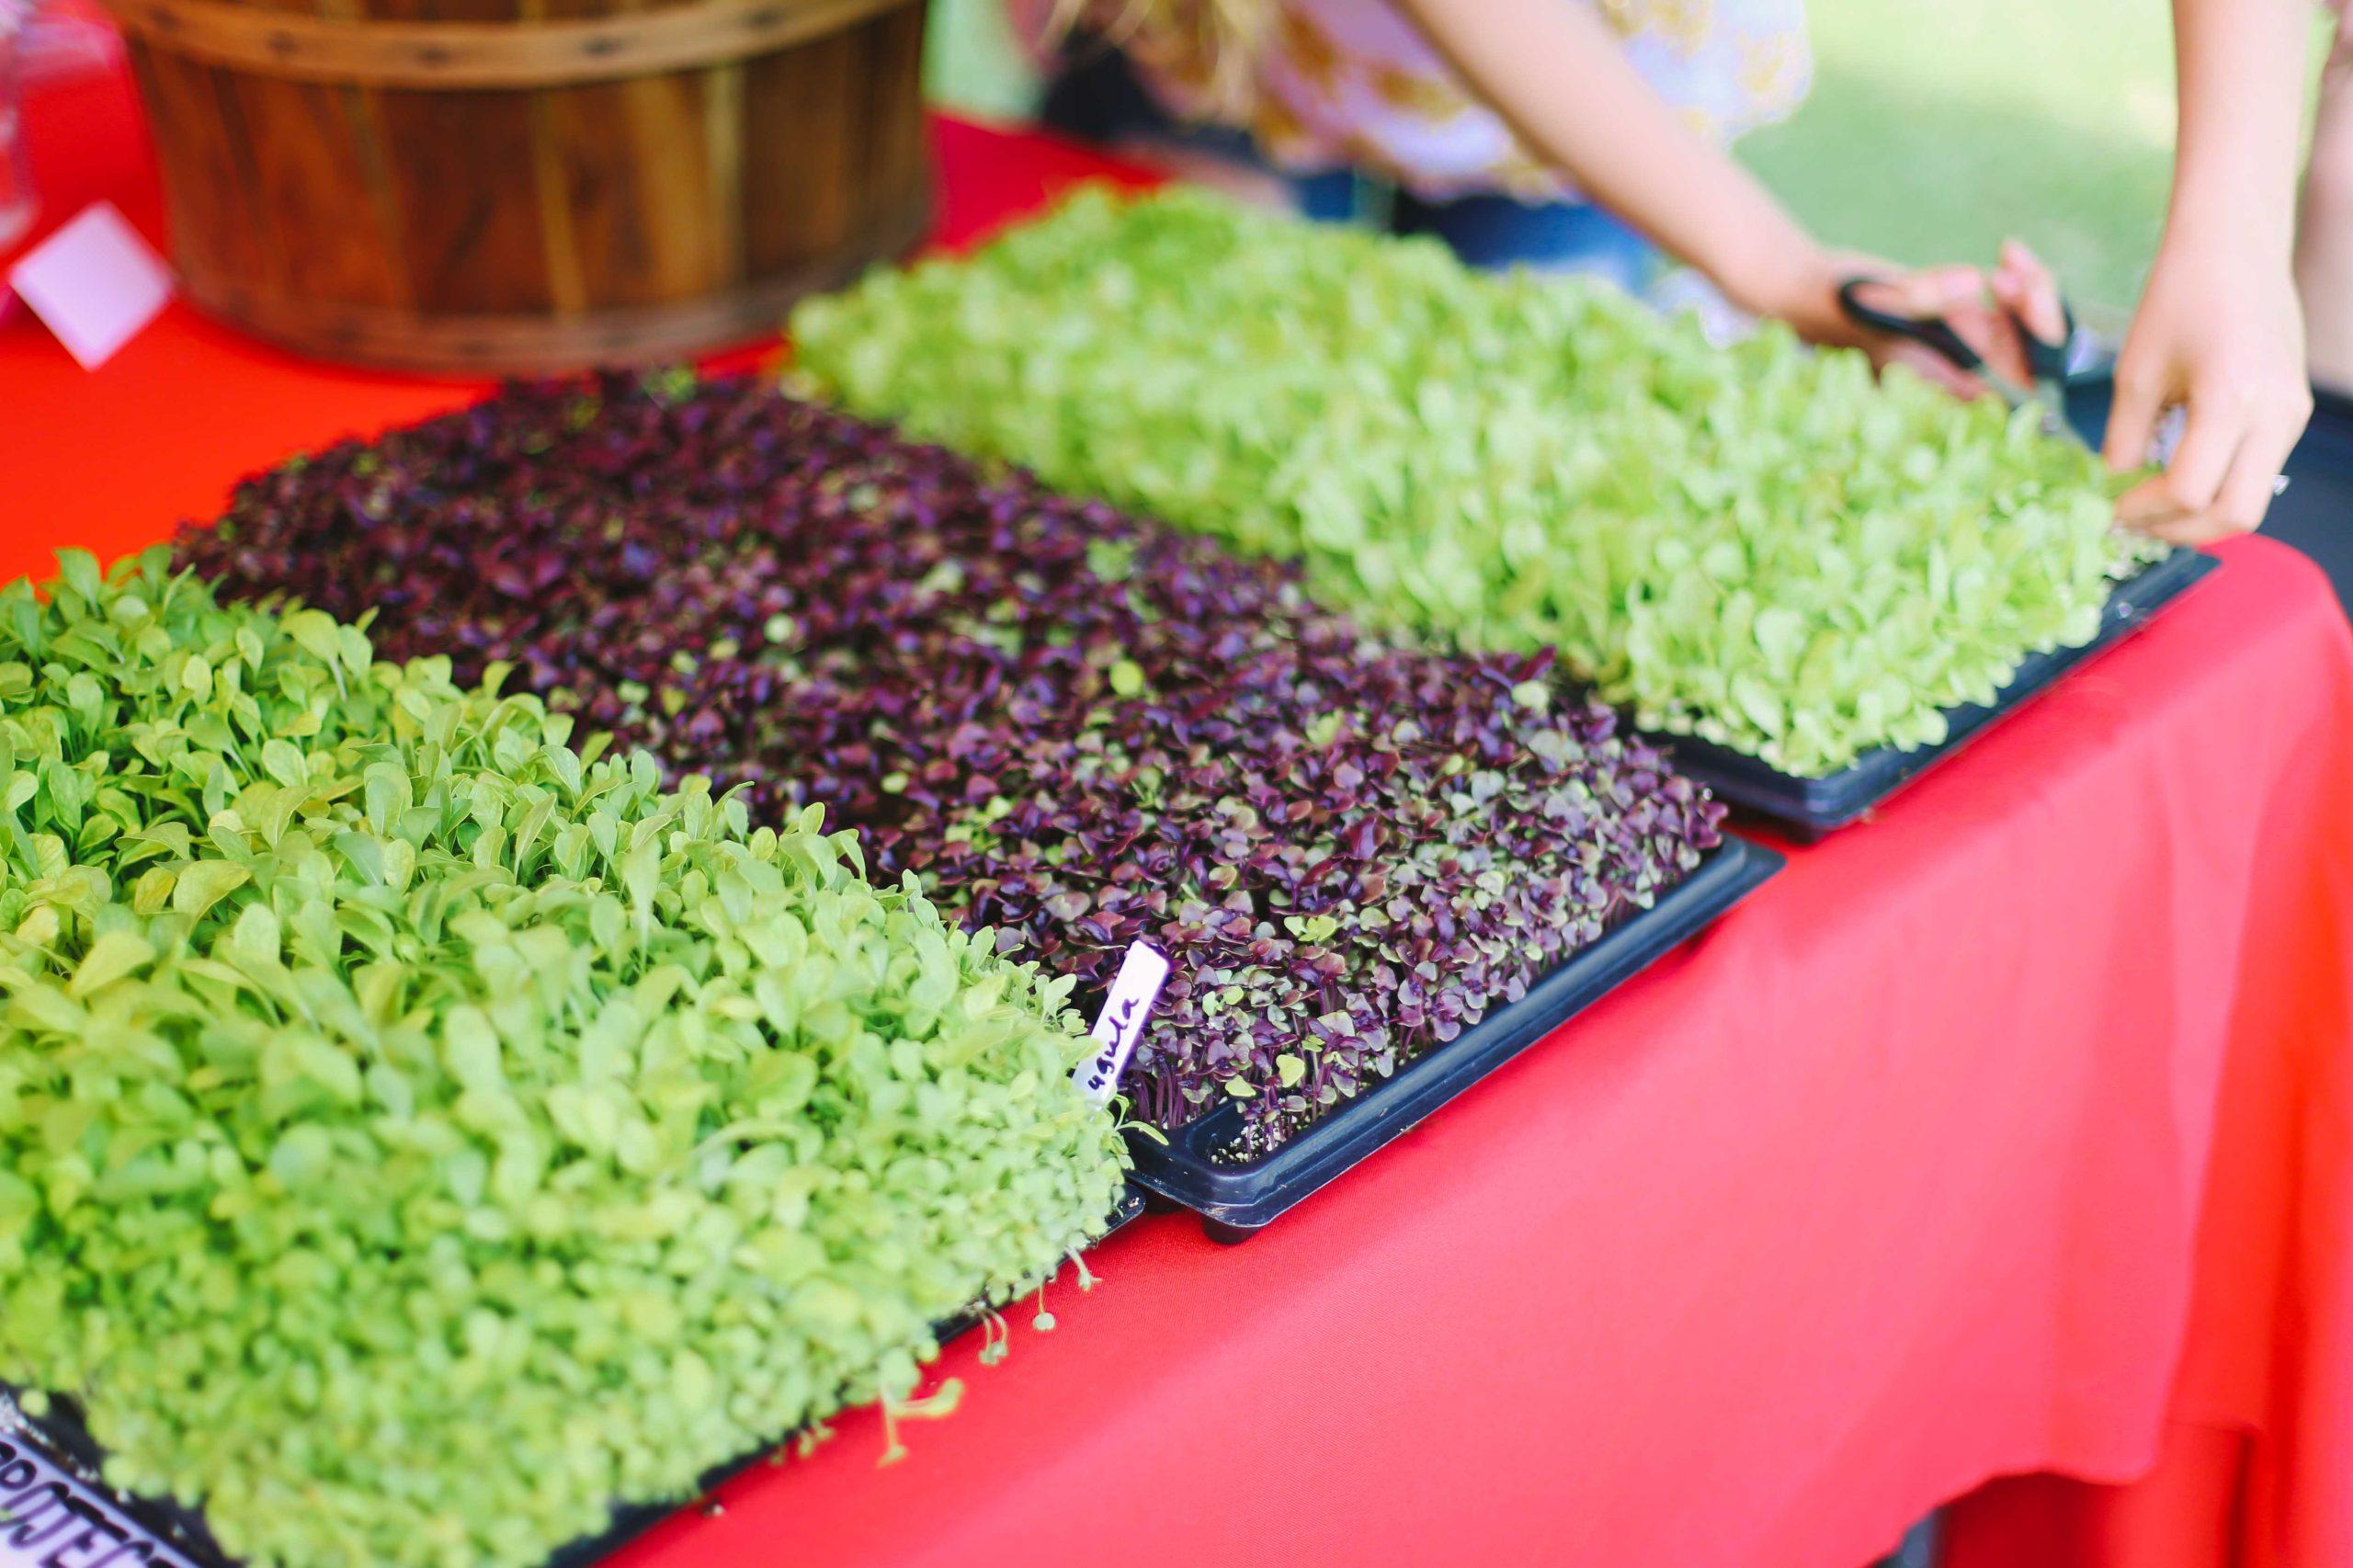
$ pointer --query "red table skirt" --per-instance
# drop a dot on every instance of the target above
(2008, 1134)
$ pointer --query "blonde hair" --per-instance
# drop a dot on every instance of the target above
(1213, 43)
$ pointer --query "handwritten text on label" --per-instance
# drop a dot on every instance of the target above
(1120, 1024)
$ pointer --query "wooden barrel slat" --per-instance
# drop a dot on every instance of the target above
(464, 53)
(473, 223)
(211, 208)
(799, 104)
(472, 185)
(332, 226)
(723, 135)
(898, 143)
(634, 160)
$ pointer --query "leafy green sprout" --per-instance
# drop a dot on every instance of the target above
(418, 1134)
(1762, 545)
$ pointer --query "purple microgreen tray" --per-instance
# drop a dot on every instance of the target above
(1236, 1196)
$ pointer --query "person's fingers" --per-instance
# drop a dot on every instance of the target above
(1894, 294)
(2132, 416)
(2148, 507)
(2247, 489)
(1947, 293)
(2217, 428)
(2030, 290)
(2188, 533)
(1994, 335)
(2191, 529)
(1928, 292)
(2178, 504)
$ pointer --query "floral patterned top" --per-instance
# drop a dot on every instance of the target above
(1352, 82)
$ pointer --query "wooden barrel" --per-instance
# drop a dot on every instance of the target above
(494, 186)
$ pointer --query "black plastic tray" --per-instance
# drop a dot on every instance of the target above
(69, 1442)
(1236, 1199)
(1815, 806)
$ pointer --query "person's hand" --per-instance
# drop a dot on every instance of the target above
(1985, 308)
(2222, 335)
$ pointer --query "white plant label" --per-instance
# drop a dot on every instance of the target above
(96, 283)
(49, 1517)
(1120, 1024)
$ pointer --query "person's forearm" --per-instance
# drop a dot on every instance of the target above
(2241, 65)
(2218, 333)
(1562, 82)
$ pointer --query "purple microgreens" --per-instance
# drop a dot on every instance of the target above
(1079, 728)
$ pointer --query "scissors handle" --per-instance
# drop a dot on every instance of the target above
(2046, 360)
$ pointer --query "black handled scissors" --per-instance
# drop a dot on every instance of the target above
(2046, 360)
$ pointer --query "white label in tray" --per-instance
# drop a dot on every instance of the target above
(51, 1517)
(1120, 1024)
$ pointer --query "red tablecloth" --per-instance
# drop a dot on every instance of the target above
(2011, 1132)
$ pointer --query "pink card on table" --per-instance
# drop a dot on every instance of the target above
(95, 282)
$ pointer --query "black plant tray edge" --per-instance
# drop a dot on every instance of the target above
(1817, 806)
(67, 1442)
(1235, 1199)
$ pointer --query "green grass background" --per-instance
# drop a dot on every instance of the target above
(1935, 128)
